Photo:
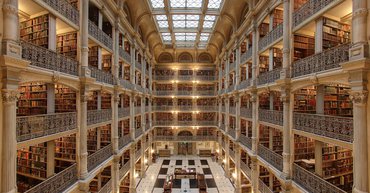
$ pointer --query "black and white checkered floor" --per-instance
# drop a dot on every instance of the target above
(156, 175)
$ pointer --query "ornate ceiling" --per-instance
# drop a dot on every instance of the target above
(194, 26)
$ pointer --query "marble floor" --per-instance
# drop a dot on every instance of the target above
(157, 172)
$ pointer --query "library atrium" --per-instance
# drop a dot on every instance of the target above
(175, 96)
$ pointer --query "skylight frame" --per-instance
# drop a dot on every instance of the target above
(196, 17)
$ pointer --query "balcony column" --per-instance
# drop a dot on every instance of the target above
(227, 158)
(84, 37)
(360, 30)
(254, 51)
(150, 149)
(237, 116)
(142, 160)
(81, 137)
(227, 114)
(237, 66)
(132, 188)
(255, 124)
(219, 141)
(254, 174)
(359, 95)
(132, 116)
(287, 39)
(115, 67)
(219, 100)
(288, 136)
(143, 120)
(133, 63)
(227, 69)
(115, 138)
(238, 185)
(150, 112)
(150, 77)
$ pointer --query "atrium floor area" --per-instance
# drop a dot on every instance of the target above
(156, 174)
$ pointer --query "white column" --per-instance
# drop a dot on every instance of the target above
(84, 37)
(82, 133)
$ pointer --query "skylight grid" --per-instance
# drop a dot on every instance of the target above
(180, 24)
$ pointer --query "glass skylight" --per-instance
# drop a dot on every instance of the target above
(179, 21)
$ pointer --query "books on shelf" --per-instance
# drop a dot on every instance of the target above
(67, 44)
(36, 30)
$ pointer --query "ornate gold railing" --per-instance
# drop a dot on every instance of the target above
(326, 60)
(65, 9)
(57, 183)
(48, 59)
(335, 127)
(99, 157)
(98, 116)
(313, 183)
(271, 157)
(32, 127)
(269, 76)
(271, 116)
(271, 37)
(100, 35)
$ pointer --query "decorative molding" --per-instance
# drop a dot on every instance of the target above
(9, 96)
(359, 97)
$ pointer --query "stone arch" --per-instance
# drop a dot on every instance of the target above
(185, 57)
(165, 57)
(205, 58)
(185, 133)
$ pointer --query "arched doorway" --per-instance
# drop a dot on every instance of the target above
(184, 147)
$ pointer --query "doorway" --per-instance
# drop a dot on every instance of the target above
(185, 148)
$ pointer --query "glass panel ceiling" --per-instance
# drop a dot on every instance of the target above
(186, 23)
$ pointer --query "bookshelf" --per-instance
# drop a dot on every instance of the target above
(94, 56)
(335, 33)
(304, 148)
(65, 99)
(278, 17)
(264, 136)
(107, 63)
(32, 162)
(277, 141)
(263, 64)
(305, 100)
(36, 30)
(304, 46)
(92, 102)
(105, 135)
(263, 29)
(32, 100)
(338, 166)
(125, 185)
(277, 58)
(92, 139)
(337, 101)
(65, 152)
(106, 100)
(67, 44)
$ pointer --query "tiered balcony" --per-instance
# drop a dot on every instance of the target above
(184, 77)
(184, 93)
(340, 128)
(137, 110)
(271, 157)
(100, 36)
(138, 132)
(324, 61)
(232, 154)
(138, 65)
(127, 84)
(246, 112)
(65, 9)
(271, 116)
(48, 59)
(246, 141)
(58, 182)
(164, 123)
(107, 188)
(232, 133)
(244, 84)
(125, 168)
(246, 56)
(205, 78)
(32, 127)
(312, 182)
(98, 116)
(124, 55)
(101, 75)
(272, 37)
(123, 112)
(137, 154)
(140, 88)
(268, 77)
(99, 157)
(308, 10)
(123, 141)
(232, 110)
(186, 138)
(263, 188)
(247, 171)
(206, 123)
